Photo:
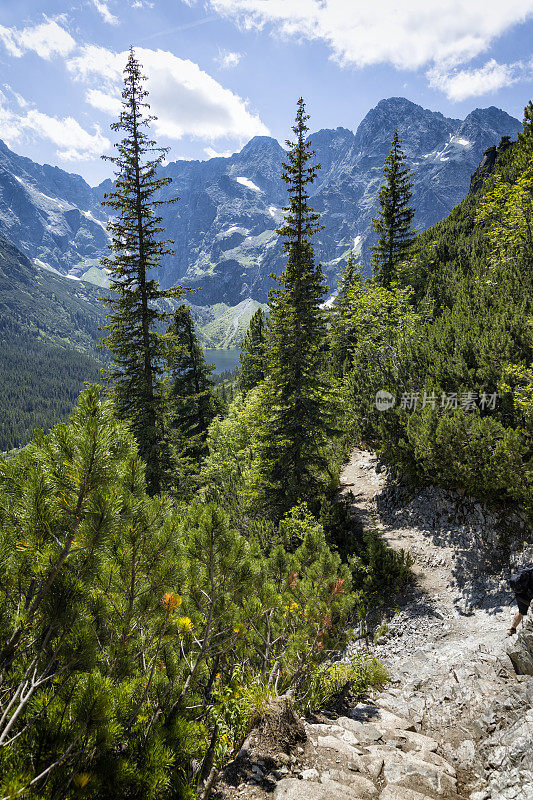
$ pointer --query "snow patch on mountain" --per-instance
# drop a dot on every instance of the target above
(248, 183)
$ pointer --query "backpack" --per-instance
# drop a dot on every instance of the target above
(522, 581)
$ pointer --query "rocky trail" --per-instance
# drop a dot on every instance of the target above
(455, 721)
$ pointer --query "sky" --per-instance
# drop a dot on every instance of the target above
(222, 71)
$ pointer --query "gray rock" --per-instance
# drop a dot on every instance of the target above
(401, 793)
(466, 753)
(340, 746)
(294, 789)
(403, 769)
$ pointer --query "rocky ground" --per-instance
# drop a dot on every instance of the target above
(455, 721)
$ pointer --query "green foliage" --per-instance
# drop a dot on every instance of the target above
(340, 333)
(228, 469)
(132, 638)
(349, 679)
(252, 360)
(395, 238)
(381, 571)
(466, 451)
(81, 550)
(138, 349)
(192, 402)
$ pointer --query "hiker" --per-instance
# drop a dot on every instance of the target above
(522, 585)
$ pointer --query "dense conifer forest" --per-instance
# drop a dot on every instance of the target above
(174, 559)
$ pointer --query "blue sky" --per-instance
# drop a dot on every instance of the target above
(222, 71)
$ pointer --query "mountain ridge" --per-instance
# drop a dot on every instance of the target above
(224, 225)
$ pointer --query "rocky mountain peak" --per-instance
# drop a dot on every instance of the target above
(420, 129)
(260, 145)
(224, 225)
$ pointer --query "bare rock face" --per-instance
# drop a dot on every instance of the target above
(520, 651)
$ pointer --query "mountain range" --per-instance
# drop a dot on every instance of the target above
(224, 224)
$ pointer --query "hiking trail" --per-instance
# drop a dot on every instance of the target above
(454, 722)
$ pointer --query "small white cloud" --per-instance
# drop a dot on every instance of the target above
(47, 40)
(186, 100)
(97, 62)
(461, 84)
(228, 59)
(211, 153)
(103, 9)
(74, 143)
(104, 102)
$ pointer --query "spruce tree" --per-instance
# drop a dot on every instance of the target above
(297, 397)
(525, 137)
(395, 236)
(138, 349)
(193, 402)
(252, 360)
(340, 331)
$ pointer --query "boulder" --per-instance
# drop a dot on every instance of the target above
(405, 770)
(380, 717)
(294, 789)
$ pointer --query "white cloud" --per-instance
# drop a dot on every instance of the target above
(461, 84)
(97, 62)
(409, 35)
(211, 153)
(104, 102)
(74, 143)
(47, 39)
(228, 59)
(185, 99)
(103, 9)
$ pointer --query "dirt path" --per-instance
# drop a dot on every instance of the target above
(455, 721)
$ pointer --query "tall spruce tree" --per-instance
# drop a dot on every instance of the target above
(138, 349)
(298, 406)
(395, 236)
(193, 401)
(252, 359)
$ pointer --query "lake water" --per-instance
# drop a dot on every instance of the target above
(223, 359)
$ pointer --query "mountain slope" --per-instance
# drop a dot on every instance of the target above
(225, 221)
(48, 345)
(48, 307)
(224, 224)
(52, 216)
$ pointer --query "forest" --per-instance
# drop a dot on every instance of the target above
(173, 559)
